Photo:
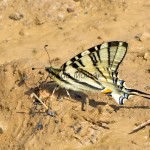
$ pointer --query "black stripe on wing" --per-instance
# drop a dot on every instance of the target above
(83, 83)
(117, 55)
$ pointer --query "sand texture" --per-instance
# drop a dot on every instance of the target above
(68, 27)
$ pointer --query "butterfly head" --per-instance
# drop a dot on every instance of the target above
(53, 71)
(48, 69)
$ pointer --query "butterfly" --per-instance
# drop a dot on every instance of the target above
(96, 69)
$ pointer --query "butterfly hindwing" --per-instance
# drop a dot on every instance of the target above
(117, 54)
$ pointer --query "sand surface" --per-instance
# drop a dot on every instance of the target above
(69, 27)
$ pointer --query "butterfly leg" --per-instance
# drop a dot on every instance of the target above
(68, 94)
(46, 78)
(86, 104)
(56, 88)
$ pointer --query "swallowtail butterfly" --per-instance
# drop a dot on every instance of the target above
(96, 69)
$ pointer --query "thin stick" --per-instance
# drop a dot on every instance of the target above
(34, 95)
(140, 126)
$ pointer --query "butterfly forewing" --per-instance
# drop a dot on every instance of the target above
(99, 61)
(106, 55)
(91, 69)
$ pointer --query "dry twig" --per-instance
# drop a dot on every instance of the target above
(140, 126)
(34, 95)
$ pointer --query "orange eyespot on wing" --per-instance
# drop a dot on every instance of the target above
(105, 91)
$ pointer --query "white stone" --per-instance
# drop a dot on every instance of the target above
(147, 56)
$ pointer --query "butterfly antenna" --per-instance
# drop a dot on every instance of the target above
(37, 68)
(48, 55)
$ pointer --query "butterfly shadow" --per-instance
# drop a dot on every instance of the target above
(116, 107)
(76, 97)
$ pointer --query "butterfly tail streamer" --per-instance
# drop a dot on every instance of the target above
(138, 93)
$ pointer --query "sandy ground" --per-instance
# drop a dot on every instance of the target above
(69, 27)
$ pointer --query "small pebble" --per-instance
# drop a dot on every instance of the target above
(39, 21)
(52, 114)
(69, 10)
(39, 126)
(145, 36)
(147, 56)
(22, 32)
(1, 130)
(142, 36)
(16, 16)
(138, 37)
(56, 121)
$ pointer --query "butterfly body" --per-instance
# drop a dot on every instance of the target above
(96, 69)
